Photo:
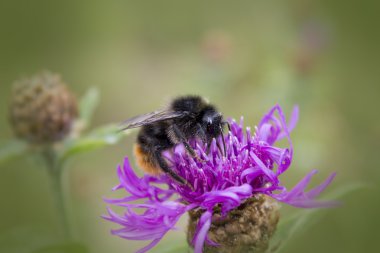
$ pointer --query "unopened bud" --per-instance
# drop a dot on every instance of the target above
(42, 109)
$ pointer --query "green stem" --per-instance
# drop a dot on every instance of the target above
(55, 172)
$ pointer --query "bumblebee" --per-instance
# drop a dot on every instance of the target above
(186, 118)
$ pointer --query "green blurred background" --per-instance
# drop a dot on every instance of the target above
(245, 56)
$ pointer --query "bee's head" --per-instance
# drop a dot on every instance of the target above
(212, 127)
(212, 124)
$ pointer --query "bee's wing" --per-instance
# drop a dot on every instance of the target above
(149, 118)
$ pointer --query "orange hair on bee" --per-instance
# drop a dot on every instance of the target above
(145, 162)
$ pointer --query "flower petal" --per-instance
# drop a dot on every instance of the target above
(201, 231)
(299, 198)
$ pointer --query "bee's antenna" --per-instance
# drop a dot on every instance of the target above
(228, 125)
(219, 148)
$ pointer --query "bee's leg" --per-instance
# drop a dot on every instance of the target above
(202, 133)
(181, 138)
(219, 148)
(223, 141)
(228, 125)
(165, 167)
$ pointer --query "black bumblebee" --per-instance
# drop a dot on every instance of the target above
(187, 117)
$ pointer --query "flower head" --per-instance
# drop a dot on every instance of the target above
(250, 168)
(42, 109)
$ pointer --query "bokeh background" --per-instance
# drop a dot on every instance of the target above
(244, 56)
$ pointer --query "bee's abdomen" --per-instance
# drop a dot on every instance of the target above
(145, 161)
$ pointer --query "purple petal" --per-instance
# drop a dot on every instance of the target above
(201, 231)
(264, 168)
(313, 193)
(292, 122)
(299, 198)
(149, 246)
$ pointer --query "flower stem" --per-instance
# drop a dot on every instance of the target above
(55, 172)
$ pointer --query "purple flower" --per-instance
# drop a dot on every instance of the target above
(252, 165)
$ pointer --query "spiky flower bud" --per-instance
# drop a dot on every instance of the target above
(247, 228)
(42, 109)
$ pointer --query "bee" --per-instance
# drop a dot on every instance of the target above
(186, 118)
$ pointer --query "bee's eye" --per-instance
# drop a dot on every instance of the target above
(209, 126)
